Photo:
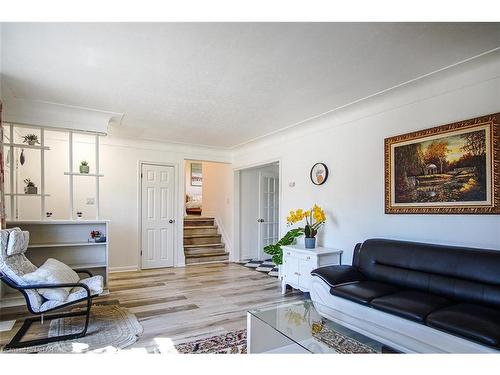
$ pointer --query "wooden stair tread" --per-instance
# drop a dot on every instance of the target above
(202, 227)
(198, 218)
(221, 253)
(201, 235)
(220, 244)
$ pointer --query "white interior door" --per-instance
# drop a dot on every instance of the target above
(268, 211)
(158, 224)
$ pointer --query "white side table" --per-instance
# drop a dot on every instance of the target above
(298, 262)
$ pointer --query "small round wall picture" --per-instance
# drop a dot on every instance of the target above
(319, 173)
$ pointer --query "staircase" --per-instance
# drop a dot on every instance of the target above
(202, 241)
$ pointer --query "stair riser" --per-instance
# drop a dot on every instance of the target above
(189, 232)
(212, 251)
(202, 240)
(198, 223)
(221, 258)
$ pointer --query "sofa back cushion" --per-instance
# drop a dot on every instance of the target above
(459, 273)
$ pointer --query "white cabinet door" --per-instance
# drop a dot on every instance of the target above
(291, 267)
(305, 268)
(157, 216)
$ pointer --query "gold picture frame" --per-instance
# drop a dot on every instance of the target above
(447, 169)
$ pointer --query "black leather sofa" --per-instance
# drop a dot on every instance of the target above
(451, 289)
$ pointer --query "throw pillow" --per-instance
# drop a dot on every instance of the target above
(53, 272)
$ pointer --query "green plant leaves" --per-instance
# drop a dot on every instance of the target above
(288, 239)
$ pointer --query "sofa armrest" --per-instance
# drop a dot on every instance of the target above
(335, 275)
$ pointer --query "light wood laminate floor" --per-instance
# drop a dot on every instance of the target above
(180, 304)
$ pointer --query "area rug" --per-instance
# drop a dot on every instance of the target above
(266, 266)
(111, 328)
(234, 342)
(341, 343)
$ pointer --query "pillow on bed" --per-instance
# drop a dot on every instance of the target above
(53, 272)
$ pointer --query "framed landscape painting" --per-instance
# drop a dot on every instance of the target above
(449, 169)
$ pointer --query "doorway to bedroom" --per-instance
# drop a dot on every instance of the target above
(207, 211)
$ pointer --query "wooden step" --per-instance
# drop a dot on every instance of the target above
(208, 229)
(219, 245)
(202, 239)
(198, 221)
(205, 250)
(223, 257)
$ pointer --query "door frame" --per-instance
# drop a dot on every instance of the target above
(236, 254)
(139, 208)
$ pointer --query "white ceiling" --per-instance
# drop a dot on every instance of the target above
(223, 84)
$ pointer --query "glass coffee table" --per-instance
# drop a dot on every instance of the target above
(298, 328)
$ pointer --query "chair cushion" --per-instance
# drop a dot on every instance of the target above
(18, 242)
(410, 304)
(363, 291)
(335, 275)
(474, 322)
(95, 284)
(53, 272)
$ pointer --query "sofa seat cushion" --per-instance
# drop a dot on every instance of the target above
(474, 322)
(410, 304)
(363, 291)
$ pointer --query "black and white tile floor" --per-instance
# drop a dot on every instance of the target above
(266, 266)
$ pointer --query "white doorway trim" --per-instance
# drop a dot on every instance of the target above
(236, 254)
(177, 260)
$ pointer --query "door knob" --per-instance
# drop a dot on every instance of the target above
(171, 221)
(260, 220)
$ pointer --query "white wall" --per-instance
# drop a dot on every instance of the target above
(218, 197)
(351, 143)
(119, 190)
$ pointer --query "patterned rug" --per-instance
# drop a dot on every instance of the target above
(266, 266)
(341, 343)
(111, 328)
(234, 342)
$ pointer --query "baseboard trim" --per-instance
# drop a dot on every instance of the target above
(123, 269)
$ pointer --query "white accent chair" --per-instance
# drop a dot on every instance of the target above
(14, 266)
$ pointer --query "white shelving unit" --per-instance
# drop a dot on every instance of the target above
(71, 173)
(67, 241)
(12, 145)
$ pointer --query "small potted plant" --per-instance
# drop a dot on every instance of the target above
(30, 187)
(315, 218)
(84, 166)
(97, 236)
(31, 139)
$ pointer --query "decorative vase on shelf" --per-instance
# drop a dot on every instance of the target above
(310, 242)
(30, 190)
(84, 168)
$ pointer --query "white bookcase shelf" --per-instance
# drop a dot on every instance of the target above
(83, 174)
(24, 145)
(27, 195)
(66, 241)
(68, 244)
